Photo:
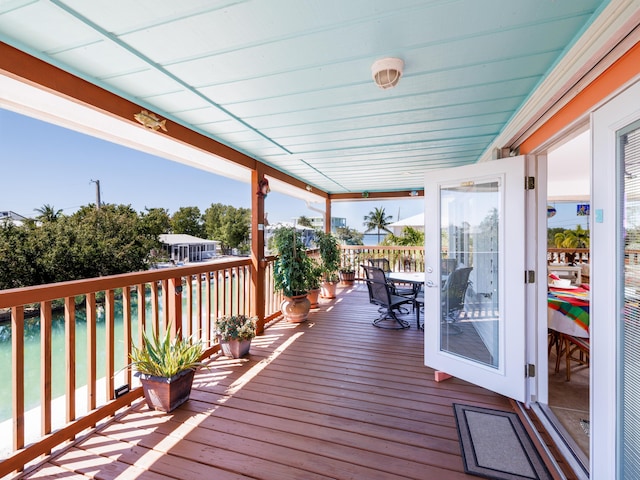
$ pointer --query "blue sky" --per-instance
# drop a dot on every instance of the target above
(43, 164)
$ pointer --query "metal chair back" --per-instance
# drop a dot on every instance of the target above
(381, 263)
(454, 292)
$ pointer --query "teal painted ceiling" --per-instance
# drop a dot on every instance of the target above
(288, 82)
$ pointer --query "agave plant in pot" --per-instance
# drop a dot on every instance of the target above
(292, 271)
(235, 333)
(330, 258)
(166, 368)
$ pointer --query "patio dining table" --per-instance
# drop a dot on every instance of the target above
(568, 311)
(416, 280)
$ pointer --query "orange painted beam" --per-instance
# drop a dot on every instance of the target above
(617, 75)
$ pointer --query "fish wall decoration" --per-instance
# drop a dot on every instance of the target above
(150, 120)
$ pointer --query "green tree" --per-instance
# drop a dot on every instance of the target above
(377, 220)
(229, 225)
(578, 238)
(155, 221)
(111, 240)
(551, 234)
(16, 252)
(188, 220)
(304, 221)
(409, 237)
(349, 236)
(47, 213)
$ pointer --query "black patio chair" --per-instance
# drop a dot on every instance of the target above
(385, 266)
(453, 295)
(381, 294)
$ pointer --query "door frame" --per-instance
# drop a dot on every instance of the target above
(606, 121)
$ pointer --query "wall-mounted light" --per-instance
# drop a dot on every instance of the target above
(365, 194)
(308, 187)
(263, 188)
(413, 193)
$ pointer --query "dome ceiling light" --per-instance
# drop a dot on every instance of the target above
(386, 72)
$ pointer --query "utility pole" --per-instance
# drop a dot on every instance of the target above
(97, 182)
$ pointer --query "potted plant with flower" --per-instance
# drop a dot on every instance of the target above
(330, 262)
(234, 333)
(166, 367)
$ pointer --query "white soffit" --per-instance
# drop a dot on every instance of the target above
(35, 102)
(569, 166)
(282, 187)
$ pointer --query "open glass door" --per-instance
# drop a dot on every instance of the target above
(475, 274)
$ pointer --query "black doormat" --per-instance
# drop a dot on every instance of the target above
(496, 445)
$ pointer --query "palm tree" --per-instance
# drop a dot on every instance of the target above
(47, 213)
(377, 220)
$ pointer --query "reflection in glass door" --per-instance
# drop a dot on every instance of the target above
(469, 248)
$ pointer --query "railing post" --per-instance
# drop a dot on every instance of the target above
(174, 302)
(257, 249)
(45, 367)
(17, 376)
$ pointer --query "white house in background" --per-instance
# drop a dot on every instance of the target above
(336, 222)
(417, 222)
(187, 248)
(13, 217)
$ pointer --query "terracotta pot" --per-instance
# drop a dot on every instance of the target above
(328, 289)
(296, 309)
(166, 394)
(313, 295)
(347, 278)
(235, 348)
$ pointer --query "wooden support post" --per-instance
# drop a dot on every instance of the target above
(327, 215)
(257, 251)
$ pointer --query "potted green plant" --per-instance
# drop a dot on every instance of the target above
(166, 368)
(330, 263)
(314, 284)
(347, 270)
(234, 333)
(292, 271)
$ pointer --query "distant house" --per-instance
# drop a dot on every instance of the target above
(187, 248)
(336, 222)
(13, 217)
(417, 222)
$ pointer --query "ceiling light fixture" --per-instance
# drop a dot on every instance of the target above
(387, 72)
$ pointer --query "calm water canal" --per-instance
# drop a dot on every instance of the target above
(58, 381)
(32, 354)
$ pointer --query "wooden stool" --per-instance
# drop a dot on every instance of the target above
(575, 349)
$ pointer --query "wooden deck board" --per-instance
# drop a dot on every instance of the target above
(333, 397)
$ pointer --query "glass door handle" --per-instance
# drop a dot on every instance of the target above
(430, 284)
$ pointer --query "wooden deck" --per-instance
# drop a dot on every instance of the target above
(333, 397)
